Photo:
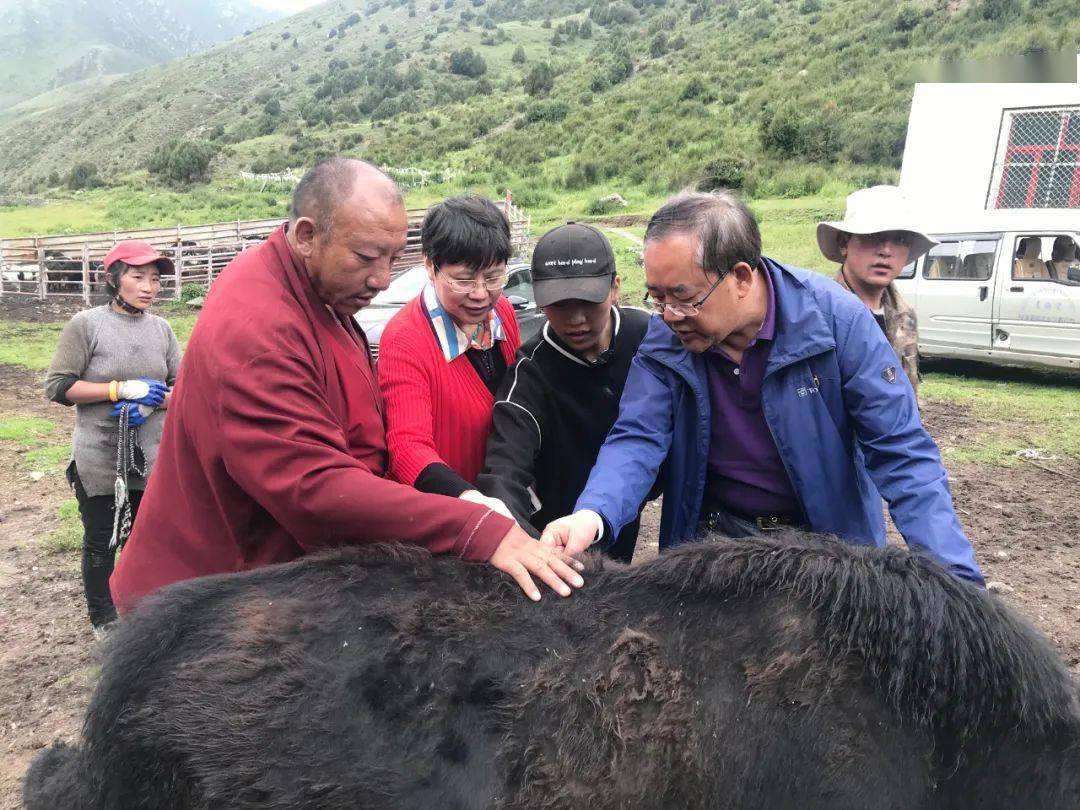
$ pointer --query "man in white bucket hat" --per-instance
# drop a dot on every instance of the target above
(872, 244)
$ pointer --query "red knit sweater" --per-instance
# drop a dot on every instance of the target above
(435, 411)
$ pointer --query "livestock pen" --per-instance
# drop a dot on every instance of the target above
(68, 266)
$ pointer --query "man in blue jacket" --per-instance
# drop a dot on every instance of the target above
(769, 397)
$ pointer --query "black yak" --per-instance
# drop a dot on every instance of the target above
(783, 672)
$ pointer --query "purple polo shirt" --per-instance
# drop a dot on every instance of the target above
(745, 473)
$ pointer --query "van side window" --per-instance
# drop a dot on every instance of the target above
(966, 260)
(1047, 258)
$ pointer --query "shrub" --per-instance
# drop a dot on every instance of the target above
(603, 205)
(540, 79)
(519, 56)
(83, 175)
(467, 62)
(189, 292)
(181, 161)
(547, 111)
(726, 171)
(907, 17)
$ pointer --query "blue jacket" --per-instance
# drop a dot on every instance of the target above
(840, 408)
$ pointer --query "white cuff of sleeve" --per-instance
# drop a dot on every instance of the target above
(599, 523)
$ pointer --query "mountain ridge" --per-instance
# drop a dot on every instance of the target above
(45, 44)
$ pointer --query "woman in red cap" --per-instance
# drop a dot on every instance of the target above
(115, 363)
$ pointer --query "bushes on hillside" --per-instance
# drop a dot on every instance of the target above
(84, 175)
(467, 62)
(726, 171)
(539, 80)
(181, 161)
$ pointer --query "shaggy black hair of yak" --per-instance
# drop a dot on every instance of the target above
(945, 655)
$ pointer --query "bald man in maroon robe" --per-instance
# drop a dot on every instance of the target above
(275, 446)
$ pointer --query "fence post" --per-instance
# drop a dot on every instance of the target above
(209, 265)
(178, 269)
(86, 274)
(42, 278)
(1, 268)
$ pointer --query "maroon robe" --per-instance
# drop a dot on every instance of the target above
(275, 445)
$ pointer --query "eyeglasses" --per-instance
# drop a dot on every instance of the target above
(463, 286)
(680, 309)
(876, 240)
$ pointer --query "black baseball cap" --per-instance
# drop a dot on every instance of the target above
(572, 261)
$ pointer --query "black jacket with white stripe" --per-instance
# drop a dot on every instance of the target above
(552, 414)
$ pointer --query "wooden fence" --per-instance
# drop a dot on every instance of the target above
(70, 266)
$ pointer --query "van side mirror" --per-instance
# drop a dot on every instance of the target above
(517, 302)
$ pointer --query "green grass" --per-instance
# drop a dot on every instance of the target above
(1044, 416)
(25, 430)
(30, 345)
(68, 534)
(51, 459)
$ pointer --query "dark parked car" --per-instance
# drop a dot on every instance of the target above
(519, 290)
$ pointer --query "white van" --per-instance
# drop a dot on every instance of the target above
(1002, 286)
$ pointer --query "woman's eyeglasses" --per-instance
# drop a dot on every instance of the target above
(463, 286)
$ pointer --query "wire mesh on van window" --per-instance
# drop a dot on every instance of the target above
(1038, 160)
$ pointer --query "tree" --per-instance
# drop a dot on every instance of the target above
(83, 175)
(1000, 9)
(467, 62)
(181, 161)
(540, 79)
(726, 171)
(519, 56)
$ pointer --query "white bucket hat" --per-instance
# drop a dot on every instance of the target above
(873, 210)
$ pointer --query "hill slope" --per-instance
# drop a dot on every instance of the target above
(45, 44)
(653, 92)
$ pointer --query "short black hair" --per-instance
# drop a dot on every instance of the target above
(726, 229)
(472, 231)
(323, 187)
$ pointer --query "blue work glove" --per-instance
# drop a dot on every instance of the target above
(137, 414)
(144, 391)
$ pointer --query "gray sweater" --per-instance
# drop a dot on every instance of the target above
(100, 345)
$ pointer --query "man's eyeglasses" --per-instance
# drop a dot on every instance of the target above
(463, 286)
(677, 308)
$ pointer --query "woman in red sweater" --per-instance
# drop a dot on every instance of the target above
(442, 357)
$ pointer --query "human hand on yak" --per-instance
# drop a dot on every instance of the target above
(523, 558)
(574, 533)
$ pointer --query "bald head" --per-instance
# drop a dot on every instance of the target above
(335, 182)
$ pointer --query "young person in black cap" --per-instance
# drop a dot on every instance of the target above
(561, 397)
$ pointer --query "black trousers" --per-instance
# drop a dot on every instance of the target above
(97, 558)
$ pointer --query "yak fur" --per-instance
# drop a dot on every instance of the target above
(783, 672)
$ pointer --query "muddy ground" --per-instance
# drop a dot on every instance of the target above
(1024, 521)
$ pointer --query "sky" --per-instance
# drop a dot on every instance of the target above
(286, 6)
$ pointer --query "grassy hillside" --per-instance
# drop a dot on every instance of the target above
(776, 97)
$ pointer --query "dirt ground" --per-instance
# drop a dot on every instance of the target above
(1024, 521)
